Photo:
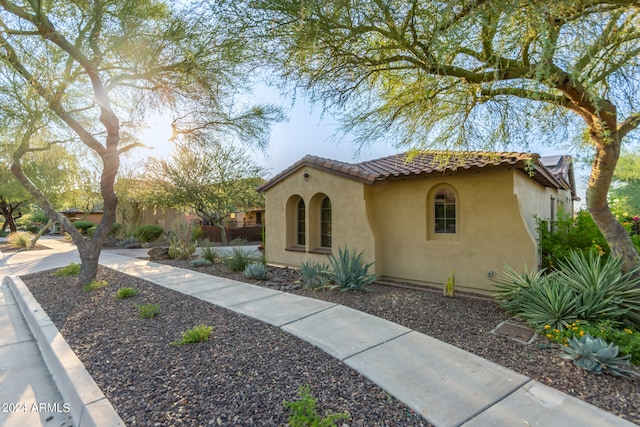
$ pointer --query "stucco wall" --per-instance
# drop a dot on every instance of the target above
(350, 227)
(490, 230)
(392, 222)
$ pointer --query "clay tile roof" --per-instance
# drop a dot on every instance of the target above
(426, 162)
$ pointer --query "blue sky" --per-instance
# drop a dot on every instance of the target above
(307, 131)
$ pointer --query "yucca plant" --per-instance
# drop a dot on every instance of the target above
(314, 275)
(606, 293)
(209, 253)
(509, 284)
(548, 302)
(350, 271)
(256, 270)
(597, 356)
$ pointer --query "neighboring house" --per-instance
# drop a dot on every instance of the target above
(248, 218)
(75, 214)
(418, 219)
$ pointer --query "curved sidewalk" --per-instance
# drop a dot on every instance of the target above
(446, 385)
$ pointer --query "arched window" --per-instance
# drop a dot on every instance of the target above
(444, 211)
(300, 224)
(325, 223)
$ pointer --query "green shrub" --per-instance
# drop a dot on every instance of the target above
(596, 355)
(239, 259)
(126, 293)
(548, 302)
(83, 226)
(148, 311)
(256, 270)
(304, 412)
(91, 230)
(626, 338)
(20, 239)
(181, 245)
(604, 292)
(209, 253)
(350, 271)
(314, 275)
(70, 270)
(115, 230)
(238, 241)
(197, 334)
(197, 233)
(95, 285)
(200, 262)
(149, 233)
(568, 235)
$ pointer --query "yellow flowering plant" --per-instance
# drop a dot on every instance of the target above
(627, 338)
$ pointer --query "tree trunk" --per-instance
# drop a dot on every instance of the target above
(7, 212)
(619, 241)
(40, 233)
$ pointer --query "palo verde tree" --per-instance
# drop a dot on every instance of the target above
(98, 66)
(210, 177)
(472, 73)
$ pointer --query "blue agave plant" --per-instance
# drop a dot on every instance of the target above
(597, 356)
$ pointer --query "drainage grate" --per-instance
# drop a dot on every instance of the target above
(515, 332)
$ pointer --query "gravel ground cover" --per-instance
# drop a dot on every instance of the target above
(242, 375)
(239, 377)
(466, 321)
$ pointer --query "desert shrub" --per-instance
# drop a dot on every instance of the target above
(238, 241)
(69, 270)
(20, 239)
(128, 241)
(314, 275)
(148, 311)
(126, 292)
(200, 262)
(83, 226)
(584, 287)
(196, 334)
(197, 233)
(209, 253)
(567, 235)
(256, 270)
(181, 245)
(239, 259)
(350, 271)
(603, 291)
(115, 229)
(148, 233)
(304, 411)
(95, 285)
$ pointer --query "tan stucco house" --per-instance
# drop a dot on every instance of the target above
(418, 216)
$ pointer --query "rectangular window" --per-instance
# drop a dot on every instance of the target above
(445, 212)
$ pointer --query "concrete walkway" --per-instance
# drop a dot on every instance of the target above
(446, 385)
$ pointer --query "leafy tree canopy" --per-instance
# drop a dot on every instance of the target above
(474, 73)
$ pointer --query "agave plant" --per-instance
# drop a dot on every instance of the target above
(314, 275)
(597, 356)
(256, 270)
(510, 283)
(350, 271)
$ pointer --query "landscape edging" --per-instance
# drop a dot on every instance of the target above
(88, 405)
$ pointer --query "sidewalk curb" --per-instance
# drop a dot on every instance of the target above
(88, 405)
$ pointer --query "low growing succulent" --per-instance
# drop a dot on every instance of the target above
(314, 275)
(200, 262)
(596, 355)
(256, 270)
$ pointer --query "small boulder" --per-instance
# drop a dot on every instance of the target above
(159, 252)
